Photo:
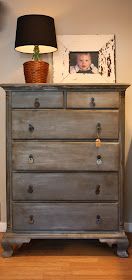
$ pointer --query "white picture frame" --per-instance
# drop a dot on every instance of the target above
(70, 46)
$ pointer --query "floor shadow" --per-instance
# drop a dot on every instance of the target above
(65, 248)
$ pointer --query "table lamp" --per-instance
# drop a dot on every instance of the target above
(35, 34)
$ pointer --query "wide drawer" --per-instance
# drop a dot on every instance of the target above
(65, 216)
(64, 124)
(59, 155)
(46, 99)
(65, 186)
(93, 99)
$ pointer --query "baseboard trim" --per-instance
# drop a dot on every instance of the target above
(128, 227)
(2, 227)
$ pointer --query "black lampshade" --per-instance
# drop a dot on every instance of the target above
(35, 30)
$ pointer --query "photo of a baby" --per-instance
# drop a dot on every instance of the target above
(83, 62)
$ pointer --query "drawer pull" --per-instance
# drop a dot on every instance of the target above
(31, 219)
(98, 127)
(31, 128)
(99, 160)
(98, 141)
(36, 103)
(97, 191)
(92, 102)
(98, 220)
(30, 189)
(31, 159)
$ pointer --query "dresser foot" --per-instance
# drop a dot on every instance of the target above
(7, 249)
(9, 243)
(121, 248)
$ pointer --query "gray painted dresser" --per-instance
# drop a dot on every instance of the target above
(65, 163)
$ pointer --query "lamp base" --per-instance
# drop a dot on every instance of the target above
(36, 71)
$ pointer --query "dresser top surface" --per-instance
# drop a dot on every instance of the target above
(25, 87)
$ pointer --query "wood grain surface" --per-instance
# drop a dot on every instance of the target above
(47, 99)
(65, 186)
(64, 156)
(101, 99)
(65, 216)
(64, 124)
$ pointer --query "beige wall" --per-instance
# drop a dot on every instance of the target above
(71, 17)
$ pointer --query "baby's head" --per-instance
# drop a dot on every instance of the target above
(83, 61)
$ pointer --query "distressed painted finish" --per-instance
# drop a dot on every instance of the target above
(65, 186)
(93, 99)
(65, 156)
(65, 216)
(55, 188)
(64, 124)
(46, 99)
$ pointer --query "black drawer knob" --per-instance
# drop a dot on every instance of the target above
(97, 191)
(36, 103)
(31, 219)
(92, 102)
(98, 220)
(99, 160)
(30, 189)
(31, 128)
(31, 159)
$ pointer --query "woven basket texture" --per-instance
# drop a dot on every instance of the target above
(36, 71)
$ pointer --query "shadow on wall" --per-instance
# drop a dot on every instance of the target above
(3, 13)
(128, 189)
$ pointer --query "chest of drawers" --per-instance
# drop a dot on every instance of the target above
(65, 163)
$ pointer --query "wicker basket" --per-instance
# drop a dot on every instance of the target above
(36, 71)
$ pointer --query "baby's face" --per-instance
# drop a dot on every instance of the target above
(83, 61)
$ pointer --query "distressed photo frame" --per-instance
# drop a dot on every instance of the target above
(84, 59)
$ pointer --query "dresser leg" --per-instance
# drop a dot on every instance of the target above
(10, 243)
(7, 249)
(122, 246)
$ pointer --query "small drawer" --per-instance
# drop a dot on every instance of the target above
(92, 100)
(65, 124)
(36, 100)
(65, 186)
(65, 216)
(59, 155)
